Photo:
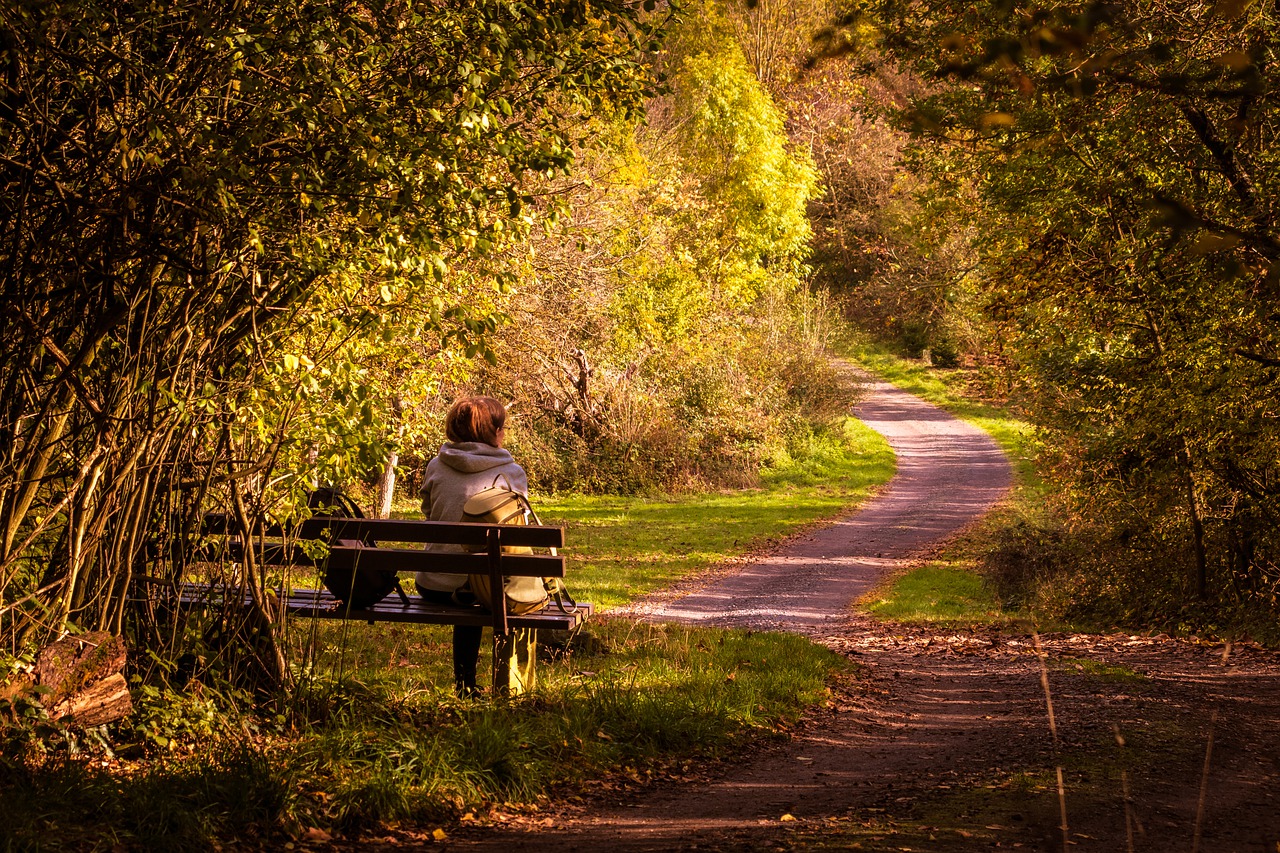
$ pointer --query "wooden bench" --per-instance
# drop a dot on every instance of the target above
(483, 554)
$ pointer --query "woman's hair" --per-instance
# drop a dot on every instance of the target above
(475, 419)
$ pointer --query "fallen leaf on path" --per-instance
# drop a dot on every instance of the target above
(787, 817)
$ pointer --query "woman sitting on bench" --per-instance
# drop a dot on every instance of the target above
(472, 460)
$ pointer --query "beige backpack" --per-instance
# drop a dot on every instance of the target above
(502, 505)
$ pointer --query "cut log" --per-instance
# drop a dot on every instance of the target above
(78, 678)
(101, 702)
(74, 664)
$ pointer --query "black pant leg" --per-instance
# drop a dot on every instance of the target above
(466, 645)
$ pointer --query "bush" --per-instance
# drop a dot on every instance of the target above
(1024, 558)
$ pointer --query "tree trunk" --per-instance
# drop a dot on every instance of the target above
(1200, 573)
(387, 485)
(387, 482)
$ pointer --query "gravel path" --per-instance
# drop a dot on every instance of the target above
(949, 473)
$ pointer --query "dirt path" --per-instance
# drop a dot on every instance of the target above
(943, 742)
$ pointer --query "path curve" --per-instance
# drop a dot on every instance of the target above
(949, 474)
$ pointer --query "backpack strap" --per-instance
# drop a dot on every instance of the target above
(559, 593)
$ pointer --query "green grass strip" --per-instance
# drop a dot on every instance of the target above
(937, 593)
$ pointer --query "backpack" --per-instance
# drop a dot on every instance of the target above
(355, 587)
(503, 505)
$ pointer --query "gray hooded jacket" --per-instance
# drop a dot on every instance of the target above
(460, 470)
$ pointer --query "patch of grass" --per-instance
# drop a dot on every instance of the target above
(937, 593)
(1097, 669)
(624, 547)
(632, 701)
(235, 791)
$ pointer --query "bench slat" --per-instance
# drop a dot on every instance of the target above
(320, 604)
(401, 560)
(400, 530)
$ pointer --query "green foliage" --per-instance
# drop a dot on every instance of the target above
(165, 719)
(895, 221)
(216, 212)
(756, 185)
(661, 336)
(1127, 161)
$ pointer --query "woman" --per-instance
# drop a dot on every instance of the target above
(472, 460)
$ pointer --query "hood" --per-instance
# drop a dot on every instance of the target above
(471, 457)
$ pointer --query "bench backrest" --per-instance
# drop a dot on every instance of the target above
(280, 547)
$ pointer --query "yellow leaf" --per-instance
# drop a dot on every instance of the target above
(439, 834)
(786, 817)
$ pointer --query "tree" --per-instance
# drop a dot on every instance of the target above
(663, 336)
(1128, 158)
(206, 205)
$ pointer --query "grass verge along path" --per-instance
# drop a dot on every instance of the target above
(624, 547)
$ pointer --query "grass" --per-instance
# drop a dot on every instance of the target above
(373, 752)
(621, 548)
(1097, 669)
(373, 738)
(937, 593)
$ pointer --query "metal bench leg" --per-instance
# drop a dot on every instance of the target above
(514, 659)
